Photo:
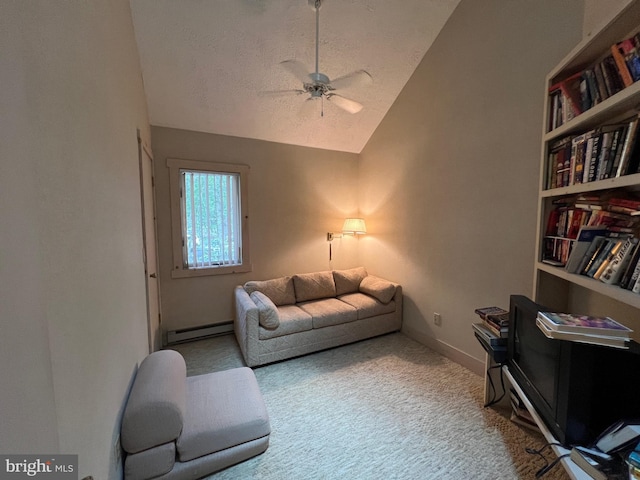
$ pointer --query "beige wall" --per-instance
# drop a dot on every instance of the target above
(599, 12)
(449, 179)
(296, 195)
(72, 299)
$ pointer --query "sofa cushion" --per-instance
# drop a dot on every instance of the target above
(366, 305)
(329, 311)
(150, 463)
(268, 312)
(311, 286)
(279, 290)
(378, 288)
(348, 281)
(156, 406)
(292, 320)
(224, 409)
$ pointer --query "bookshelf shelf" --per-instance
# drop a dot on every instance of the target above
(630, 182)
(614, 108)
(609, 291)
(554, 287)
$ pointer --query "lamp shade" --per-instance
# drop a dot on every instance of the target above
(354, 226)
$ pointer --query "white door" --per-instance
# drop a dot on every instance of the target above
(150, 256)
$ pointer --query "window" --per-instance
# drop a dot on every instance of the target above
(209, 223)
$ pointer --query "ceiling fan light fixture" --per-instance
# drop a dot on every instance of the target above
(317, 84)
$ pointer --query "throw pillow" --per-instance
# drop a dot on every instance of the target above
(378, 288)
(279, 290)
(348, 281)
(311, 286)
(268, 313)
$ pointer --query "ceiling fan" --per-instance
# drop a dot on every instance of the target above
(318, 85)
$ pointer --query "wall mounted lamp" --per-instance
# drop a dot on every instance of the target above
(352, 226)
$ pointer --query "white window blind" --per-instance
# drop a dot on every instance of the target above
(211, 213)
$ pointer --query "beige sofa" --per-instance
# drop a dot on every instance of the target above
(295, 315)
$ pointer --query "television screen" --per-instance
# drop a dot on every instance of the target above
(532, 353)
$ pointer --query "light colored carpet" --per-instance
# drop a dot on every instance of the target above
(385, 408)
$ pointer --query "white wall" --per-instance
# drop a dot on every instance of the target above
(296, 196)
(449, 179)
(72, 283)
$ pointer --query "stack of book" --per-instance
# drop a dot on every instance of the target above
(493, 331)
(617, 69)
(576, 219)
(584, 329)
(519, 413)
(607, 151)
(496, 320)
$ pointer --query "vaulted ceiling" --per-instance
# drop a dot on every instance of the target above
(207, 63)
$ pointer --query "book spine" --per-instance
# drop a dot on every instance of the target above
(608, 259)
(615, 268)
(621, 64)
(628, 274)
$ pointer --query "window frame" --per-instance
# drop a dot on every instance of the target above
(178, 269)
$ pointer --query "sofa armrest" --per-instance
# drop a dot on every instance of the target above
(397, 297)
(246, 325)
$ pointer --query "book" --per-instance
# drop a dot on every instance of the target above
(631, 266)
(617, 265)
(619, 436)
(592, 325)
(602, 255)
(489, 336)
(484, 311)
(500, 331)
(584, 240)
(600, 244)
(601, 340)
(627, 147)
(621, 64)
(617, 245)
(590, 464)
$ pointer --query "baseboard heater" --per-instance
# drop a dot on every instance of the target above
(196, 333)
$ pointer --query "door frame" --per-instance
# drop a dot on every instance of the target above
(154, 335)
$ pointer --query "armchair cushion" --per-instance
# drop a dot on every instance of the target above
(156, 406)
(150, 463)
(224, 409)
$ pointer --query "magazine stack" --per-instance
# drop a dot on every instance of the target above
(584, 328)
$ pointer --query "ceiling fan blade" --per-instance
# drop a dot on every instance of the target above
(350, 106)
(358, 78)
(297, 69)
(280, 93)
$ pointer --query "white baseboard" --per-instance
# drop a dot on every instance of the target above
(452, 353)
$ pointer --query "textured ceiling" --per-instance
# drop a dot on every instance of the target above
(205, 62)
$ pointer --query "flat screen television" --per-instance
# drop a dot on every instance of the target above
(578, 389)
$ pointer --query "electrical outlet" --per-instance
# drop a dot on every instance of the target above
(437, 319)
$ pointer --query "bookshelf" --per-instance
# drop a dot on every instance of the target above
(554, 287)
